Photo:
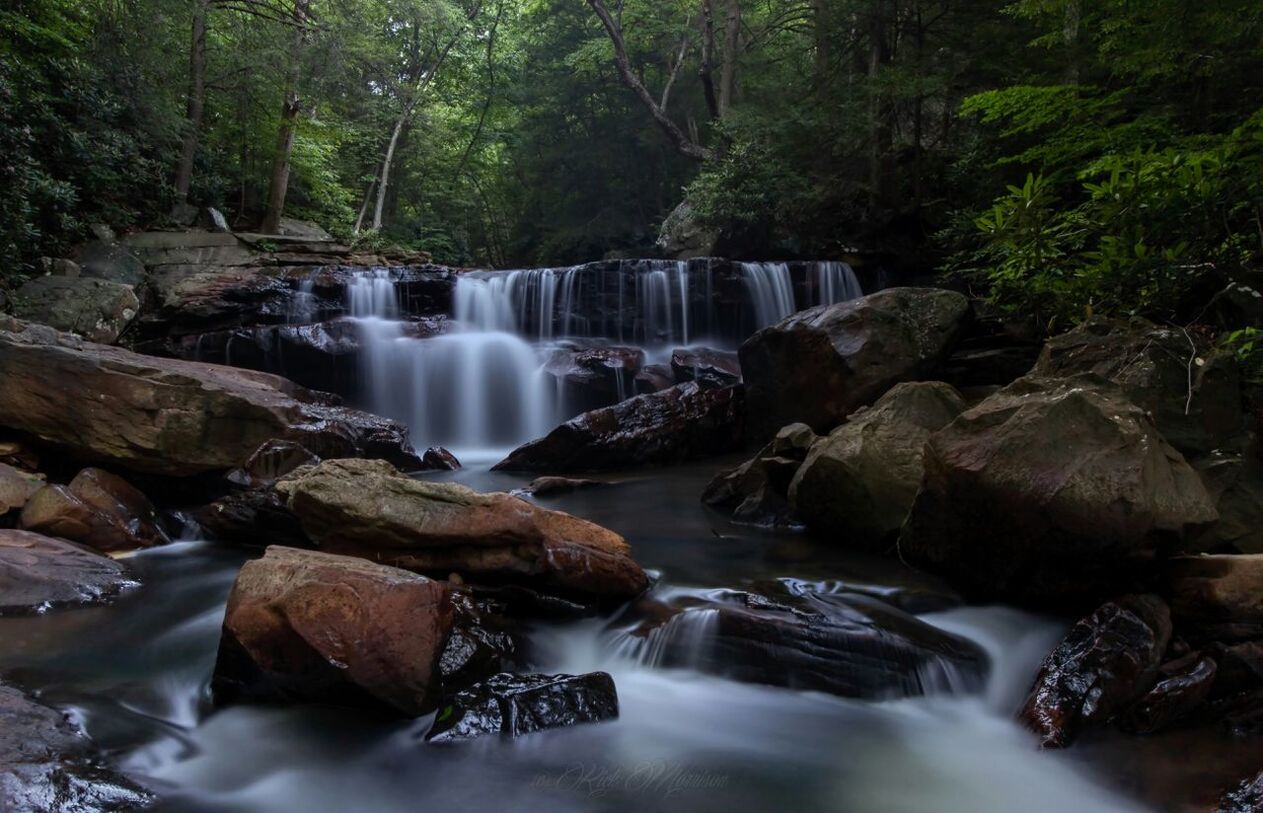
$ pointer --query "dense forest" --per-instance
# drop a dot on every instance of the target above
(1061, 155)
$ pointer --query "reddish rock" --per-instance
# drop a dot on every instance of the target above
(1183, 686)
(311, 626)
(97, 509)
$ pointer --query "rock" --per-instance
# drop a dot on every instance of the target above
(48, 764)
(1245, 798)
(183, 214)
(55, 267)
(483, 642)
(1183, 686)
(593, 377)
(189, 248)
(272, 461)
(20, 456)
(683, 423)
(514, 705)
(1217, 598)
(848, 645)
(439, 459)
(552, 486)
(16, 487)
(1107, 661)
(682, 235)
(38, 572)
(368, 509)
(857, 485)
(97, 509)
(710, 368)
(756, 492)
(820, 365)
(254, 518)
(1153, 366)
(169, 417)
(310, 626)
(95, 309)
(1055, 492)
(109, 261)
(654, 378)
(102, 232)
(1235, 483)
(303, 229)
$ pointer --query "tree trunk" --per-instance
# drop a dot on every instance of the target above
(881, 168)
(732, 47)
(196, 104)
(290, 109)
(1070, 35)
(383, 178)
(707, 70)
(822, 20)
(368, 198)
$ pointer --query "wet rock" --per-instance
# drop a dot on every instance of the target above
(1153, 366)
(254, 518)
(48, 764)
(1217, 598)
(38, 572)
(1183, 686)
(97, 509)
(1245, 798)
(848, 645)
(683, 423)
(440, 459)
(16, 487)
(819, 366)
(710, 368)
(1052, 492)
(169, 417)
(368, 509)
(756, 492)
(95, 309)
(654, 378)
(1106, 662)
(552, 486)
(272, 461)
(483, 642)
(857, 485)
(310, 626)
(514, 705)
(592, 377)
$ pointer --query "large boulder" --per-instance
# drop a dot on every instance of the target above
(311, 626)
(685, 422)
(1217, 598)
(1107, 661)
(368, 509)
(1052, 492)
(857, 485)
(38, 572)
(1235, 482)
(510, 706)
(95, 309)
(757, 491)
(107, 260)
(820, 365)
(16, 487)
(48, 764)
(98, 509)
(592, 377)
(169, 417)
(1193, 391)
(844, 644)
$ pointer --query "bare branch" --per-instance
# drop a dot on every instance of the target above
(675, 71)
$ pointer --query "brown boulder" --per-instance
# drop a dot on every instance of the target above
(1217, 598)
(170, 417)
(368, 509)
(37, 572)
(305, 625)
(1108, 660)
(97, 509)
(685, 422)
(1052, 492)
(820, 365)
(16, 487)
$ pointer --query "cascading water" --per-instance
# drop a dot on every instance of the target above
(771, 291)
(834, 282)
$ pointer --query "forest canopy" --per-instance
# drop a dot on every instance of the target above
(1061, 155)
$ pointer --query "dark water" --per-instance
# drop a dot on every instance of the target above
(136, 672)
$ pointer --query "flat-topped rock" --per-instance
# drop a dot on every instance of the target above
(38, 572)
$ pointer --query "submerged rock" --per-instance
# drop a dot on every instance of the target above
(552, 486)
(38, 572)
(844, 644)
(170, 417)
(368, 509)
(819, 366)
(97, 509)
(1192, 392)
(1107, 661)
(1052, 492)
(1217, 598)
(48, 764)
(95, 309)
(857, 484)
(311, 626)
(513, 705)
(685, 422)
(756, 492)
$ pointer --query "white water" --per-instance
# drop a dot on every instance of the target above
(771, 292)
(834, 282)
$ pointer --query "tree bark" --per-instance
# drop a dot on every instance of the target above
(290, 109)
(881, 168)
(732, 48)
(196, 104)
(707, 70)
(822, 21)
(682, 143)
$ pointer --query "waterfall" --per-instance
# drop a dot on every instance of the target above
(684, 640)
(771, 291)
(834, 282)
(302, 308)
(372, 294)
